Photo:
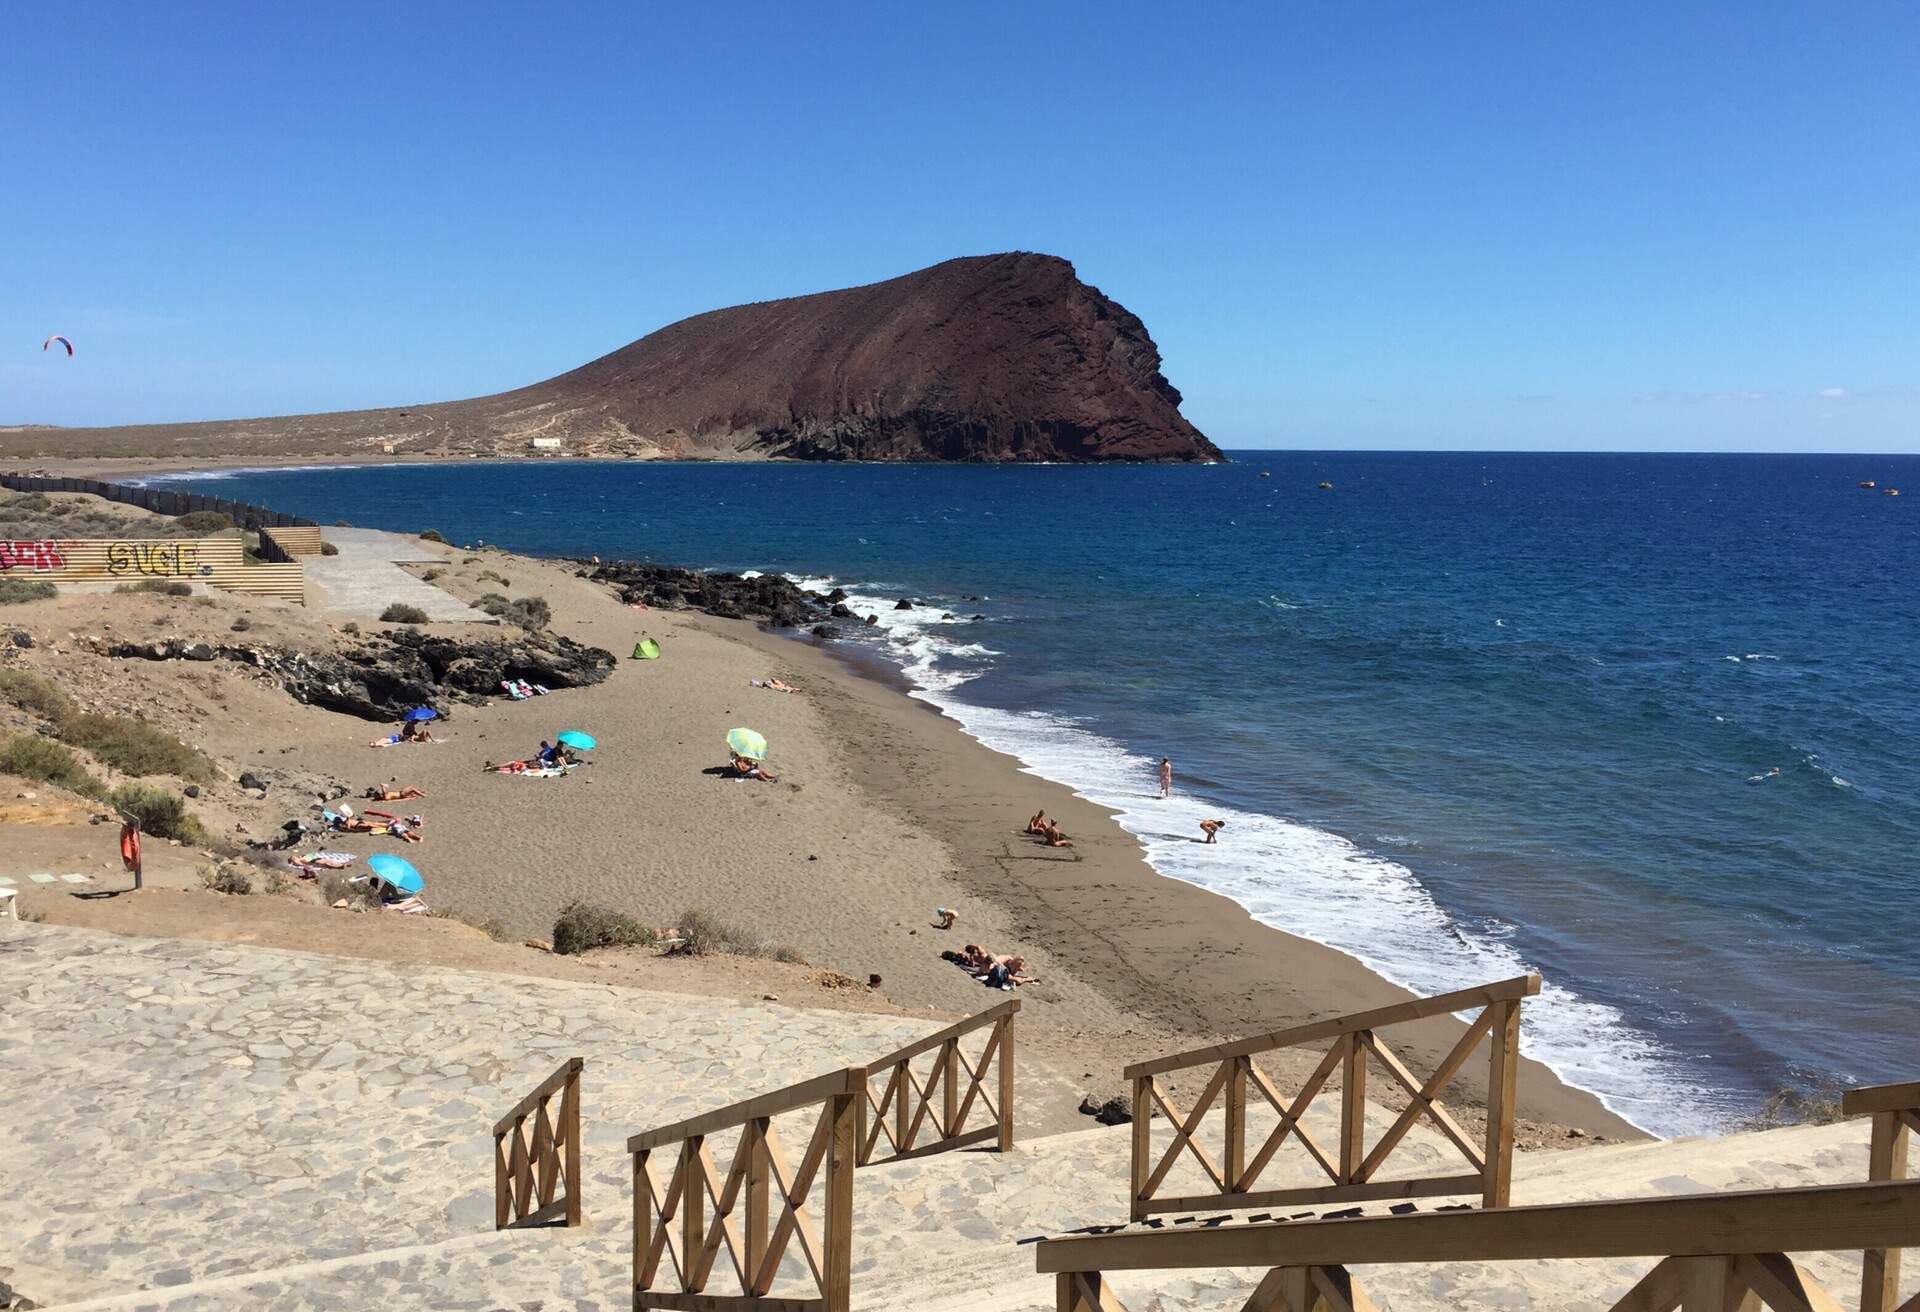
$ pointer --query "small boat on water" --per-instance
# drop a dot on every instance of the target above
(1869, 484)
(1893, 492)
(1326, 487)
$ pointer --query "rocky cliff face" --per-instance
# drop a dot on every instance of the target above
(989, 358)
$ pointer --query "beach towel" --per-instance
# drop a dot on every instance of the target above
(513, 692)
(331, 860)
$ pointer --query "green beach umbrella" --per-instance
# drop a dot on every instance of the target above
(747, 743)
(646, 650)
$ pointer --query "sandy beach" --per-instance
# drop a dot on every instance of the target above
(884, 810)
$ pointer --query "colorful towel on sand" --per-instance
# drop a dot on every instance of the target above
(331, 860)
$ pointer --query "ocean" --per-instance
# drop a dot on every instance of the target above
(1642, 723)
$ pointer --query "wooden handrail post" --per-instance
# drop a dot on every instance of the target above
(693, 1229)
(570, 1127)
(1503, 1070)
(502, 1184)
(901, 1119)
(1353, 1106)
(1886, 1160)
(837, 1234)
(1006, 1083)
(759, 1178)
(1236, 1163)
(642, 1220)
(1142, 1146)
(950, 1088)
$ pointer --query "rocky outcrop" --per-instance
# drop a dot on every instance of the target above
(387, 675)
(990, 358)
(768, 597)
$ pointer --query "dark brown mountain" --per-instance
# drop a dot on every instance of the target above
(989, 358)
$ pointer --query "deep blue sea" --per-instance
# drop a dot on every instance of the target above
(1465, 714)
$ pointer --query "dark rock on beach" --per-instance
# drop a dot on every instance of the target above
(388, 674)
(768, 597)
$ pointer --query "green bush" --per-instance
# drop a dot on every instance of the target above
(15, 591)
(36, 758)
(36, 694)
(162, 813)
(226, 879)
(431, 535)
(132, 746)
(399, 613)
(204, 521)
(583, 926)
(527, 612)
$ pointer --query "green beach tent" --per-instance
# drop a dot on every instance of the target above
(646, 650)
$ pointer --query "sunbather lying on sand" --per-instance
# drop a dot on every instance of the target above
(1054, 837)
(404, 830)
(388, 793)
(778, 685)
(311, 864)
(747, 768)
(413, 731)
(1006, 972)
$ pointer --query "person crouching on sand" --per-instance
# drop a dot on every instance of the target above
(1210, 828)
(1038, 825)
(748, 768)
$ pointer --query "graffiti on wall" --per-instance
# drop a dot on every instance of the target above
(163, 559)
(36, 556)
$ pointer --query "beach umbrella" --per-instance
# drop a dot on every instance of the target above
(423, 713)
(397, 872)
(747, 743)
(580, 742)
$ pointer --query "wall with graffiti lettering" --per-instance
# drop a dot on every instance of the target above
(39, 557)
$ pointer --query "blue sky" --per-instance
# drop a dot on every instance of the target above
(1537, 226)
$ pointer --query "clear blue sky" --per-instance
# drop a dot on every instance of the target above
(1523, 225)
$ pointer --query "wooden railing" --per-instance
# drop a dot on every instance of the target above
(905, 1106)
(1354, 1166)
(758, 1176)
(1895, 1109)
(1719, 1252)
(537, 1181)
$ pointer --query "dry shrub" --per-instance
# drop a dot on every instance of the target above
(226, 879)
(15, 591)
(46, 762)
(161, 813)
(582, 926)
(204, 521)
(400, 613)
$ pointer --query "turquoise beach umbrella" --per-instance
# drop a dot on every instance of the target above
(580, 742)
(397, 872)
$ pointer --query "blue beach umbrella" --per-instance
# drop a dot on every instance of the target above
(423, 713)
(580, 742)
(397, 872)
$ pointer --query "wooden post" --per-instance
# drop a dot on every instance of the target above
(570, 1128)
(1880, 1267)
(1503, 1069)
(1066, 1295)
(642, 1221)
(842, 1149)
(1236, 1163)
(1705, 1283)
(1142, 1146)
(950, 1088)
(1006, 1083)
(759, 1175)
(1353, 1107)
(901, 1121)
(693, 1229)
(502, 1197)
(860, 1124)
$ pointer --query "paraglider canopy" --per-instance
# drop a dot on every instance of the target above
(58, 338)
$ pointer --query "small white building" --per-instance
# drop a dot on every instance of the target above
(546, 444)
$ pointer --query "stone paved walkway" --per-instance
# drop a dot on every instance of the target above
(210, 1128)
(363, 580)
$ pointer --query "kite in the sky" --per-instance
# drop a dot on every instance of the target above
(58, 338)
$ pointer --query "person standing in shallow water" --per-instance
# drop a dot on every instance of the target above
(1166, 778)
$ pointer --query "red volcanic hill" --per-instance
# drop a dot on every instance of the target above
(988, 358)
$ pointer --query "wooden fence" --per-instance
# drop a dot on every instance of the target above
(1354, 1171)
(218, 561)
(537, 1181)
(1895, 1109)
(1719, 1252)
(905, 1105)
(759, 1177)
(157, 500)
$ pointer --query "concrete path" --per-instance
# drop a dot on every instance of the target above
(365, 578)
(211, 1127)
